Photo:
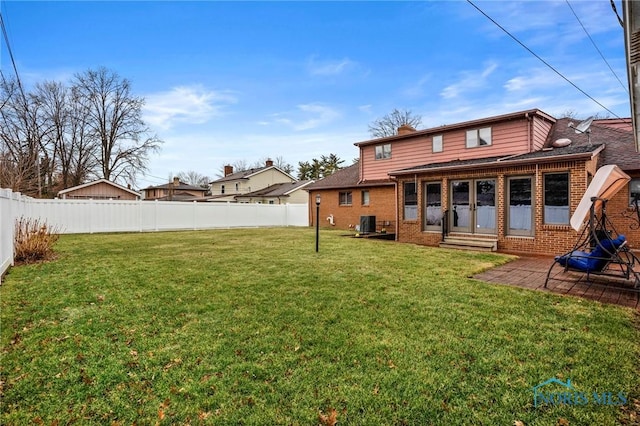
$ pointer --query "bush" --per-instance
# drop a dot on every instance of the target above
(33, 240)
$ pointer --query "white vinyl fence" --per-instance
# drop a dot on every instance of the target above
(93, 216)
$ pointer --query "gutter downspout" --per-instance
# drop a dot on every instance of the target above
(395, 184)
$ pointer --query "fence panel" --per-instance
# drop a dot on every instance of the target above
(94, 216)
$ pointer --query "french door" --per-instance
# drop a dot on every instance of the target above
(473, 206)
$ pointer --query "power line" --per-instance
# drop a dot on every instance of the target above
(542, 60)
(13, 62)
(594, 45)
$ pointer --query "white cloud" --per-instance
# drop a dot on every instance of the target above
(184, 104)
(307, 117)
(329, 67)
(471, 80)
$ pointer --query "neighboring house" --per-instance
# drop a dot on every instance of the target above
(175, 191)
(499, 179)
(232, 184)
(101, 189)
(279, 193)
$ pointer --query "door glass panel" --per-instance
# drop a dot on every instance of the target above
(434, 204)
(460, 204)
(486, 204)
(520, 204)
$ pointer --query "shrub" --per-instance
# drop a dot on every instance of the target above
(33, 240)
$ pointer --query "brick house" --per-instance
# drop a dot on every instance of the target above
(345, 199)
(509, 182)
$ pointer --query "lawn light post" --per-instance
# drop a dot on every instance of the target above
(317, 220)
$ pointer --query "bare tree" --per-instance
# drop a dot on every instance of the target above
(20, 133)
(115, 121)
(388, 125)
(194, 178)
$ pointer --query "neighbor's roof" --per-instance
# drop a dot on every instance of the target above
(464, 124)
(95, 182)
(181, 187)
(277, 190)
(246, 174)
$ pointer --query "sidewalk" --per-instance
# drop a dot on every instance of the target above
(531, 272)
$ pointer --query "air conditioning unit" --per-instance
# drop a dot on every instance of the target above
(367, 224)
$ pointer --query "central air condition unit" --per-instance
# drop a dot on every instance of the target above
(367, 224)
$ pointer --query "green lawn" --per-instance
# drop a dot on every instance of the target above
(254, 327)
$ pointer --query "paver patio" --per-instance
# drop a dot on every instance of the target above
(531, 272)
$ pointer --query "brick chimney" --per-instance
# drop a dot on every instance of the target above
(176, 181)
(405, 129)
(269, 162)
(228, 170)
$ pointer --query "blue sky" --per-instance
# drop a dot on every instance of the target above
(228, 81)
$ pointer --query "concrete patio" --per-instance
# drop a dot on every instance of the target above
(531, 271)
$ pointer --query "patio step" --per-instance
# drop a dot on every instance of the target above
(469, 243)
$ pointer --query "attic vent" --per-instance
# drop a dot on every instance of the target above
(634, 48)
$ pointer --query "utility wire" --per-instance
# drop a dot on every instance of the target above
(594, 45)
(615, 10)
(13, 62)
(542, 60)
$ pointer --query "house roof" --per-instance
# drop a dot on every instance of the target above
(464, 124)
(619, 143)
(348, 177)
(246, 174)
(180, 187)
(614, 143)
(95, 182)
(277, 190)
(554, 154)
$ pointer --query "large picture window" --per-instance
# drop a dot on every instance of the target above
(556, 198)
(383, 151)
(520, 202)
(479, 137)
(410, 201)
(433, 206)
(346, 198)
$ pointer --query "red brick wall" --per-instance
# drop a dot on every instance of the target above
(547, 239)
(381, 205)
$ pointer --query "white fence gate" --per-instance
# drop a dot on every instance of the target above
(93, 216)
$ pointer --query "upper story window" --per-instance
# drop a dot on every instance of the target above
(634, 191)
(436, 143)
(383, 151)
(479, 137)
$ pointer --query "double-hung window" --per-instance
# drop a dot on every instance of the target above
(345, 198)
(383, 151)
(479, 137)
